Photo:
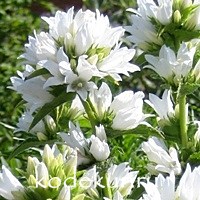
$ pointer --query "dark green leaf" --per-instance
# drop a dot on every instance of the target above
(189, 88)
(140, 131)
(48, 107)
(28, 144)
(38, 72)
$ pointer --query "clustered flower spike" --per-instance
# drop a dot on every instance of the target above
(65, 82)
(162, 160)
(55, 176)
(155, 23)
(167, 188)
(95, 147)
(79, 46)
(170, 66)
(126, 108)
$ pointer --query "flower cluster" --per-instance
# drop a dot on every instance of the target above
(98, 137)
(55, 177)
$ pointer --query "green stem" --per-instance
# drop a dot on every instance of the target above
(183, 120)
(90, 114)
(106, 189)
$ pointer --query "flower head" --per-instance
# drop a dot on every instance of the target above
(42, 47)
(162, 189)
(163, 107)
(94, 146)
(25, 121)
(127, 109)
(188, 187)
(99, 149)
(161, 159)
(121, 178)
(170, 66)
(143, 34)
(9, 185)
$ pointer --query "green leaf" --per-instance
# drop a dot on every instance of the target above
(195, 158)
(38, 72)
(186, 35)
(28, 143)
(188, 88)
(141, 130)
(48, 107)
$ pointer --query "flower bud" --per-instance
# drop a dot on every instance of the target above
(177, 16)
(54, 182)
(71, 165)
(32, 162)
(32, 180)
(42, 175)
(41, 136)
(47, 155)
(64, 193)
(50, 123)
(100, 150)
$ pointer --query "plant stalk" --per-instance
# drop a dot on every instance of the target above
(106, 189)
(183, 120)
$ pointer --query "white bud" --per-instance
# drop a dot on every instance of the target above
(100, 150)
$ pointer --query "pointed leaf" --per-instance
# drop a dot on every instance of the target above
(28, 143)
(48, 107)
(141, 131)
(38, 72)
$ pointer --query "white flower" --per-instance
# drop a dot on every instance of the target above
(100, 133)
(55, 69)
(163, 107)
(143, 33)
(42, 47)
(170, 66)
(83, 30)
(64, 193)
(89, 179)
(127, 109)
(162, 189)
(75, 139)
(101, 100)
(121, 178)
(32, 91)
(99, 149)
(78, 82)
(192, 22)
(41, 175)
(162, 159)
(25, 121)
(188, 187)
(162, 11)
(117, 62)
(184, 61)
(94, 146)
(9, 184)
(162, 65)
